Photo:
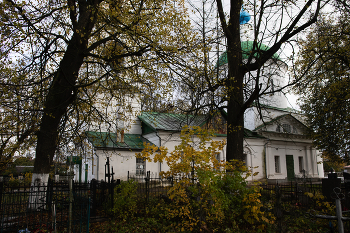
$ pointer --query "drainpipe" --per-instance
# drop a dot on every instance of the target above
(160, 143)
(97, 164)
(312, 162)
(251, 165)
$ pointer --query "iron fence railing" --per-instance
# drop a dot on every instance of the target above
(61, 206)
(152, 187)
(51, 207)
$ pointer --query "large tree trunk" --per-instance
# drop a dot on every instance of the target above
(60, 96)
(62, 93)
(235, 128)
(235, 115)
(234, 86)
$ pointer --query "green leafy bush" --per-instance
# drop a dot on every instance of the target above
(125, 200)
(212, 199)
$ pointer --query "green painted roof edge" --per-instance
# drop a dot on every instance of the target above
(246, 51)
(116, 145)
(247, 133)
(146, 123)
(252, 134)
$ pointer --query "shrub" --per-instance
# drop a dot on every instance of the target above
(125, 200)
(28, 178)
(13, 182)
(209, 199)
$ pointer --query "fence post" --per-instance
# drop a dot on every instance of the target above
(111, 188)
(93, 195)
(49, 193)
(278, 209)
(70, 204)
(1, 191)
(147, 185)
(88, 216)
(296, 193)
(339, 215)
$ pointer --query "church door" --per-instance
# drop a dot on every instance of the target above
(290, 167)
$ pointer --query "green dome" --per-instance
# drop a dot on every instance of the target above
(247, 47)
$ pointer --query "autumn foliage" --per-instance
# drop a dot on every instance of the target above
(205, 197)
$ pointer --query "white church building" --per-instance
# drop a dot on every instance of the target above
(275, 147)
(275, 143)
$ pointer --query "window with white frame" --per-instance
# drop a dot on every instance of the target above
(295, 130)
(277, 164)
(301, 164)
(140, 166)
(245, 159)
(278, 128)
(287, 128)
(218, 157)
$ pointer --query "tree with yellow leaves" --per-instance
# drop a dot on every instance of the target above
(204, 195)
(64, 53)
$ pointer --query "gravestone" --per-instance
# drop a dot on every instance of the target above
(329, 184)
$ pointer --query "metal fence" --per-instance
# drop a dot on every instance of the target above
(60, 206)
(102, 194)
(296, 193)
(292, 192)
(51, 207)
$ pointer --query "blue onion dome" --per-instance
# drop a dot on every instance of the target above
(244, 17)
(247, 50)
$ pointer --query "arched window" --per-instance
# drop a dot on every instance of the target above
(287, 128)
(278, 128)
(295, 130)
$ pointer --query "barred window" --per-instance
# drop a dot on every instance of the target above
(277, 164)
(301, 164)
(140, 166)
(287, 128)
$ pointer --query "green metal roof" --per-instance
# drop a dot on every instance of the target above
(174, 122)
(109, 140)
(250, 134)
(247, 49)
(170, 121)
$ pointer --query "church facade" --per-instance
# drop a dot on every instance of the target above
(276, 149)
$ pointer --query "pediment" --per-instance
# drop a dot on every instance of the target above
(287, 124)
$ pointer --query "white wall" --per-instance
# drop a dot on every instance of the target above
(254, 149)
(117, 114)
(281, 149)
(124, 161)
